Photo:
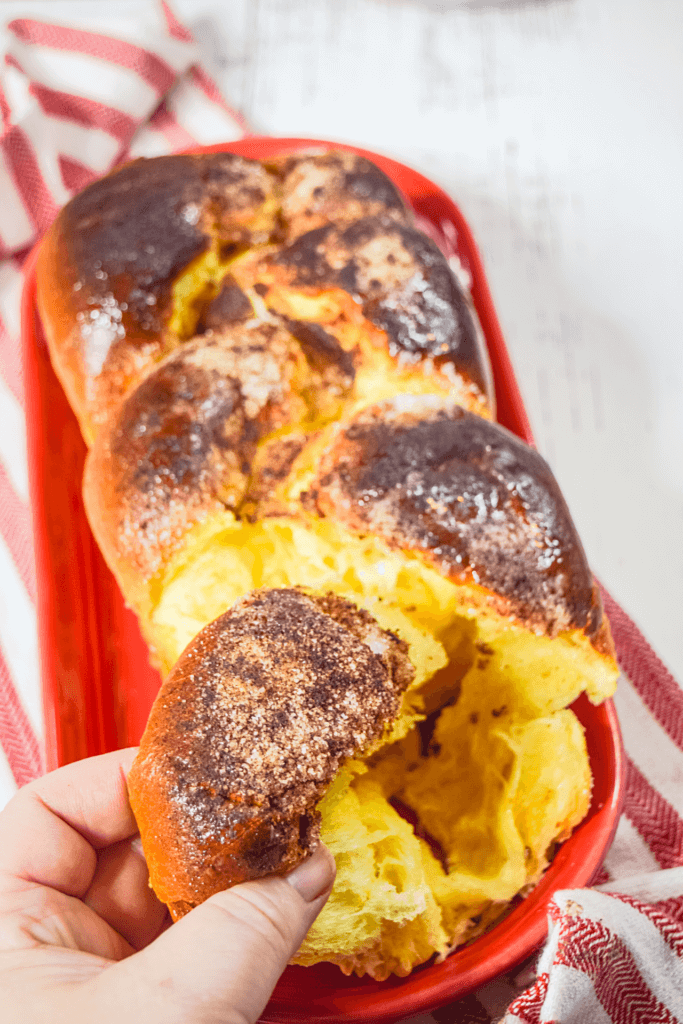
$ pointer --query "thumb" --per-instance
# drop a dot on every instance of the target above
(222, 960)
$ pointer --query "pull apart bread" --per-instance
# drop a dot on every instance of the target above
(296, 478)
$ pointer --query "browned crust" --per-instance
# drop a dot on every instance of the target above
(420, 472)
(229, 306)
(249, 730)
(403, 285)
(185, 443)
(602, 639)
(321, 187)
(469, 497)
(182, 444)
(107, 266)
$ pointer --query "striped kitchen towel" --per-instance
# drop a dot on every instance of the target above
(611, 956)
(74, 103)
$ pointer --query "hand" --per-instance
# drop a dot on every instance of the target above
(83, 938)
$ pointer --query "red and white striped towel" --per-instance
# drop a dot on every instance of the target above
(611, 956)
(75, 102)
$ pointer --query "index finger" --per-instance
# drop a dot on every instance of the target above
(51, 830)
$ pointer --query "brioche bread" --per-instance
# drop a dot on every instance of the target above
(283, 386)
(269, 701)
(130, 263)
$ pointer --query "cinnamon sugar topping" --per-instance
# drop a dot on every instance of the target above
(270, 699)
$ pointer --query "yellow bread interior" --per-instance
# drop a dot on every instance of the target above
(194, 288)
(378, 374)
(394, 904)
(507, 773)
(224, 558)
(200, 280)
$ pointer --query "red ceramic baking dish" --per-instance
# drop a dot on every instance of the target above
(98, 685)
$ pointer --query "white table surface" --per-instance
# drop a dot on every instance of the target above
(557, 126)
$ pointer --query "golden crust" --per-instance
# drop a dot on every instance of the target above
(249, 730)
(335, 186)
(399, 281)
(470, 498)
(107, 265)
(182, 444)
(419, 472)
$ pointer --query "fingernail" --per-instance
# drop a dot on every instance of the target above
(136, 847)
(315, 876)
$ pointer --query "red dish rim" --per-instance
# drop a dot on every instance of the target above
(82, 681)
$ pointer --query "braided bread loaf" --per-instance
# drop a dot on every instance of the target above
(283, 387)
